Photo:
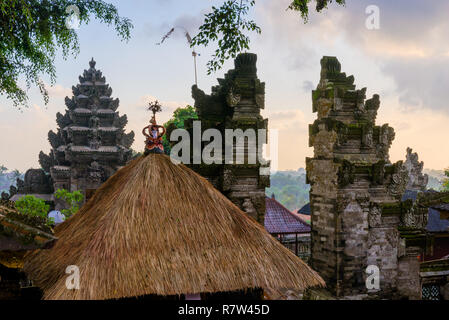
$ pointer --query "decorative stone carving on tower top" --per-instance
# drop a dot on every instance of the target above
(357, 216)
(235, 103)
(417, 180)
(90, 143)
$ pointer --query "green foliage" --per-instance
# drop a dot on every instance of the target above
(73, 199)
(228, 26)
(177, 122)
(227, 23)
(8, 178)
(181, 114)
(446, 181)
(35, 207)
(31, 31)
(302, 6)
(289, 188)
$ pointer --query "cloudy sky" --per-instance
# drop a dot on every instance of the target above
(405, 61)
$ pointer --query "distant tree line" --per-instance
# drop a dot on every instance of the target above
(289, 188)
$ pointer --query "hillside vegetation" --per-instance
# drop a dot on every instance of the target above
(289, 188)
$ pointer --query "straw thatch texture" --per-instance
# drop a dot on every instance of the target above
(159, 228)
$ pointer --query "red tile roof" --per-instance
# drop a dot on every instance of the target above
(278, 219)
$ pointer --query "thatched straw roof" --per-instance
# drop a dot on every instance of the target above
(155, 227)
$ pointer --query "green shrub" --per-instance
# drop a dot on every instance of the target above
(73, 199)
(289, 188)
(177, 122)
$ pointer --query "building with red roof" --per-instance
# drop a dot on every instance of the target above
(292, 231)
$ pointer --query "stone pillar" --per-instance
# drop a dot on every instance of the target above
(235, 103)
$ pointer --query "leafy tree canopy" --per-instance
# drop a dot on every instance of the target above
(35, 207)
(181, 114)
(177, 122)
(73, 199)
(8, 178)
(31, 31)
(446, 181)
(229, 26)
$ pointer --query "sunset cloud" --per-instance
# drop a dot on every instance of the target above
(411, 45)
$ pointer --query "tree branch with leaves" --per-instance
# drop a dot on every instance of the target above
(229, 26)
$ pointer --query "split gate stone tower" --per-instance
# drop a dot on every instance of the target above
(358, 218)
(235, 103)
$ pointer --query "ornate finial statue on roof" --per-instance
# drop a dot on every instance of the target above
(153, 142)
(92, 63)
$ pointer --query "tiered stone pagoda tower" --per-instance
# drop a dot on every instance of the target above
(90, 143)
(358, 219)
(235, 103)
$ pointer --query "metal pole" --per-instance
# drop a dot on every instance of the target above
(194, 65)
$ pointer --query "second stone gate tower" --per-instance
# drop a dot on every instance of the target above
(358, 219)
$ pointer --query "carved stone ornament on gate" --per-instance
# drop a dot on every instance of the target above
(233, 99)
